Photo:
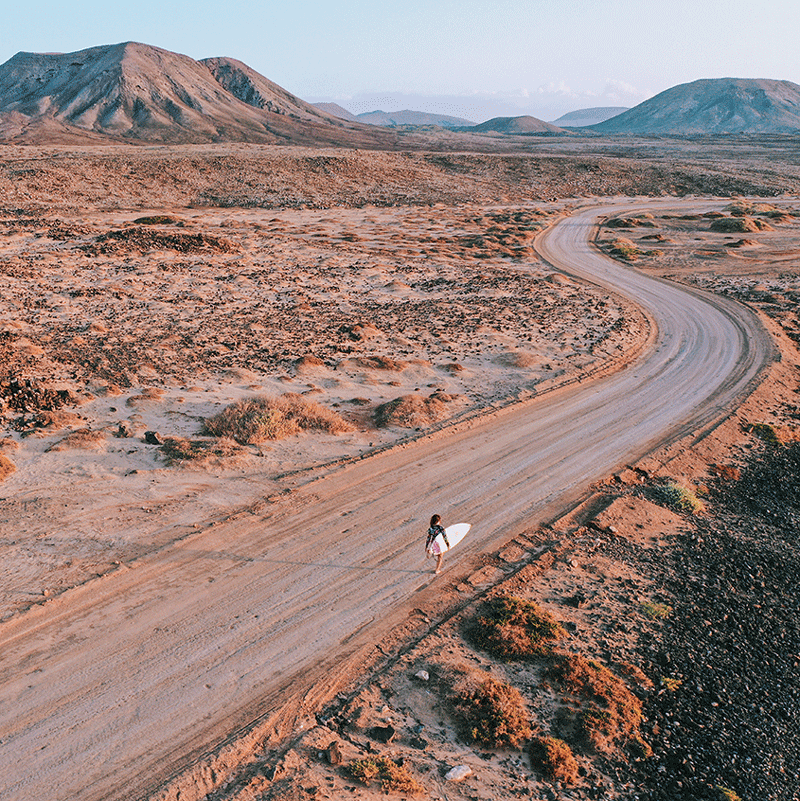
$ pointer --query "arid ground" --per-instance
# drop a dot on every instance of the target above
(148, 290)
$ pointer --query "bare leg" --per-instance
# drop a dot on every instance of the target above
(439, 560)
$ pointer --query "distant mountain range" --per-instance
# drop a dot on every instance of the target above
(136, 92)
(588, 116)
(714, 106)
(133, 92)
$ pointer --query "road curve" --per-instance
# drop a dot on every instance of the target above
(109, 689)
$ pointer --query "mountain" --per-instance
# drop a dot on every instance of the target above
(136, 92)
(516, 125)
(714, 106)
(588, 116)
(391, 119)
(335, 110)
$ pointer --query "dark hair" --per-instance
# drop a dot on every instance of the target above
(435, 520)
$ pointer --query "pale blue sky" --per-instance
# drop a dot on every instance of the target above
(472, 58)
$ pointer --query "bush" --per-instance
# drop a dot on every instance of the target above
(611, 714)
(554, 758)
(491, 712)
(656, 611)
(512, 628)
(178, 449)
(676, 497)
(7, 467)
(258, 419)
(394, 778)
(625, 249)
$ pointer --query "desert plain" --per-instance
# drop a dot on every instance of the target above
(147, 289)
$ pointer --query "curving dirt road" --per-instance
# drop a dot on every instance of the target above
(111, 688)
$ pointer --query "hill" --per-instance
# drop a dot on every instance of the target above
(136, 92)
(516, 125)
(335, 110)
(391, 119)
(588, 116)
(714, 106)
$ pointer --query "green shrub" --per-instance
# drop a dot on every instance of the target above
(676, 497)
(656, 611)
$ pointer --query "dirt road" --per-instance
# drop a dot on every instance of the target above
(110, 688)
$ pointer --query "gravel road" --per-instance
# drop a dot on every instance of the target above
(111, 688)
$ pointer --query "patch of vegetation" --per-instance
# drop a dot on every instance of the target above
(625, 249)
(671, 683)
(393, 778)
(411, 411)
(554, 758)
(491, 712)
(676, 497)
(726, 794)
(764, 431)
(7, 467)
(261, 418)
(610, 713)
(178, 449)
(656, 611)
(157, 219)
(512, 628)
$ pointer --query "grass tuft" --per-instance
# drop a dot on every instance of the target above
(393, 778)
(511, 628)
(258, 419)
(656, 611)
(676, 497)
(491, 712)
(610, 713)
(554, 758)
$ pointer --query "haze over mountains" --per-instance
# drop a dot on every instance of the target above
(135, 92)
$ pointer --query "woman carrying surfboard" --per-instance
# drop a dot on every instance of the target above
(432, 546)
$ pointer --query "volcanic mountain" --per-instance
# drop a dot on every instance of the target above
(588, 116)
(392, 119)
(714, 106)
(136, 92)
(516, 125)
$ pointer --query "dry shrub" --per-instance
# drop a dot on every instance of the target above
(411, 411)
(199, 451)
(83, 438)
(491, 712)
(147, 394)
(308, 362)
(554, 758)
(394, 778)
(512, 628)
(739, 225)
(625, 249)
(518, 358)
(611, 713)
(261, 418)
(382, 363)
(726, 472)
(7, 467)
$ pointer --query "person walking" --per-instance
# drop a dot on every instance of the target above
(432, 547)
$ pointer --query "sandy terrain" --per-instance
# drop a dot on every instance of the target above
(521, 467)
(155, 326)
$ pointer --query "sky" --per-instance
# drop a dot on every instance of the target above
(468, 58)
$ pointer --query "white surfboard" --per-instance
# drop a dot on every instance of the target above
(455, 534)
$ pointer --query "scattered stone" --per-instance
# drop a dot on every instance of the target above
(383, 734)
(422, 675)
(458, 773)
(153, 438)
(333, 753)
